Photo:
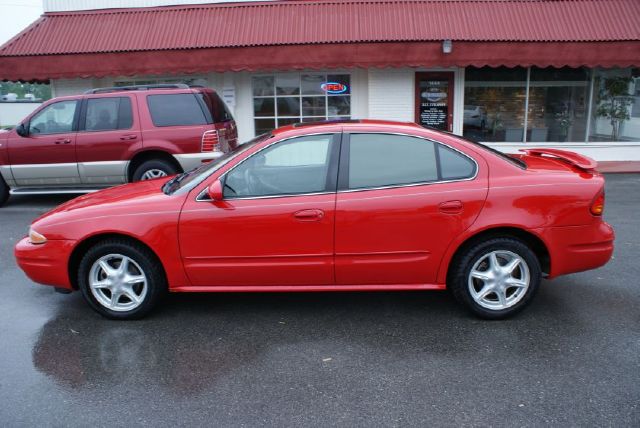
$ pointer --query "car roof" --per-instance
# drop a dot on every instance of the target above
(347, 125)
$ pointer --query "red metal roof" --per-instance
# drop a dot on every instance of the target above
(321, 22)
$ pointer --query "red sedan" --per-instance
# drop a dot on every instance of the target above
(352, 205)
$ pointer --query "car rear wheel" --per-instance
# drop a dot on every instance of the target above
(4, 192)
(497, 278)
(121, 279)
(155, 168)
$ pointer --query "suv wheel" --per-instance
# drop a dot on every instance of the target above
(121, 279)
(155, 168)
(4, 191)
(496, 278)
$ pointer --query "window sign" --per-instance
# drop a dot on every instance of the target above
(334, 88)
(434, 104)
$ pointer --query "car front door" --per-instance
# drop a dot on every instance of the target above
(275, 225)
(401, 200)
(46, 155)
(108, 136)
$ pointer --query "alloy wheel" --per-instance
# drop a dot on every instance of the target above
(499, 279)
(117, 282)
(153, 173)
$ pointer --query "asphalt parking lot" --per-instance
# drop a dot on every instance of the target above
(340, 359)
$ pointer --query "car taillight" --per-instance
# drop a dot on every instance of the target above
(597, 206)
(210, 141)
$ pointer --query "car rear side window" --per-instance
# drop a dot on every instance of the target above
(380, 160)
(107, 114)
(176, 110)
(454, 165)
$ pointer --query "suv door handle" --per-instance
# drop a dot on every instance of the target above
(128, 137)
(309, 215)
(451, 207)
(63, 141)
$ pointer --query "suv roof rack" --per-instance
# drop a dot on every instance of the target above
(137, 88)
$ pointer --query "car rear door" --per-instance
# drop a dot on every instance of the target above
(401, 200)
(276, 224)
(108, 136)
(47, 155)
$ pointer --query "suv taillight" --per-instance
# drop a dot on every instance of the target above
(210, 141)
(597, 206)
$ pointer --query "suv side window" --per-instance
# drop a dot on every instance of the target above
(56, 118)
(296, 166)
(176, 110)
(380, 160)
(107, 114)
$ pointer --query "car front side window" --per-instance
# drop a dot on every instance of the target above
(297, 166)
(56, 118)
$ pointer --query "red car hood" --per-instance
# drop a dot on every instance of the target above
(125, 197)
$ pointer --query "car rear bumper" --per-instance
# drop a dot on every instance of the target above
(189, 161)
(45, 263)
(579, 248)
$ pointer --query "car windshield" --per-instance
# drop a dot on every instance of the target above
(187, 180)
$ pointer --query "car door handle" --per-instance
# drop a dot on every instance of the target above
(451, 207)
(63, 141)
(129, 137)
(309, 215)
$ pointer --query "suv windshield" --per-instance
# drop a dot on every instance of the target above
(188, 180)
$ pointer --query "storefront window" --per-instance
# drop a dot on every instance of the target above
(558, 99)
(494, 101)
(615, 113)
(287, 98)
(557, 104)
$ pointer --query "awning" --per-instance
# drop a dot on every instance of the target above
(286, 35)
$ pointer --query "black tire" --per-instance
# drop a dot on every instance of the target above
(459, 276)
(165, 166)
(4, 192)
(149, 265)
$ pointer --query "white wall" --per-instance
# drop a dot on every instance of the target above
(65, 87)
(392, 94)
(12, 113)
(67, 5)
(243, 112)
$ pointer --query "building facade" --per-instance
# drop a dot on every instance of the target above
(512, 74)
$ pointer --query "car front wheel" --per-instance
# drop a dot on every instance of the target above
(121, 279)
(497, 278)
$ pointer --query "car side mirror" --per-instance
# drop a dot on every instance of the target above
(21, 130)
(215, 191)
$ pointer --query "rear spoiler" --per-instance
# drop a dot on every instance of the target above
(573, 158)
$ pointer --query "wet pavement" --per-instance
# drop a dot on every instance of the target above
(341, 359)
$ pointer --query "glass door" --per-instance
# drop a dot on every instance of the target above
(434, 100)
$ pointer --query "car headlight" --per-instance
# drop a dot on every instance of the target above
(36, 238)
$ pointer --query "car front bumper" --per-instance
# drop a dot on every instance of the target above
(45, 263)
